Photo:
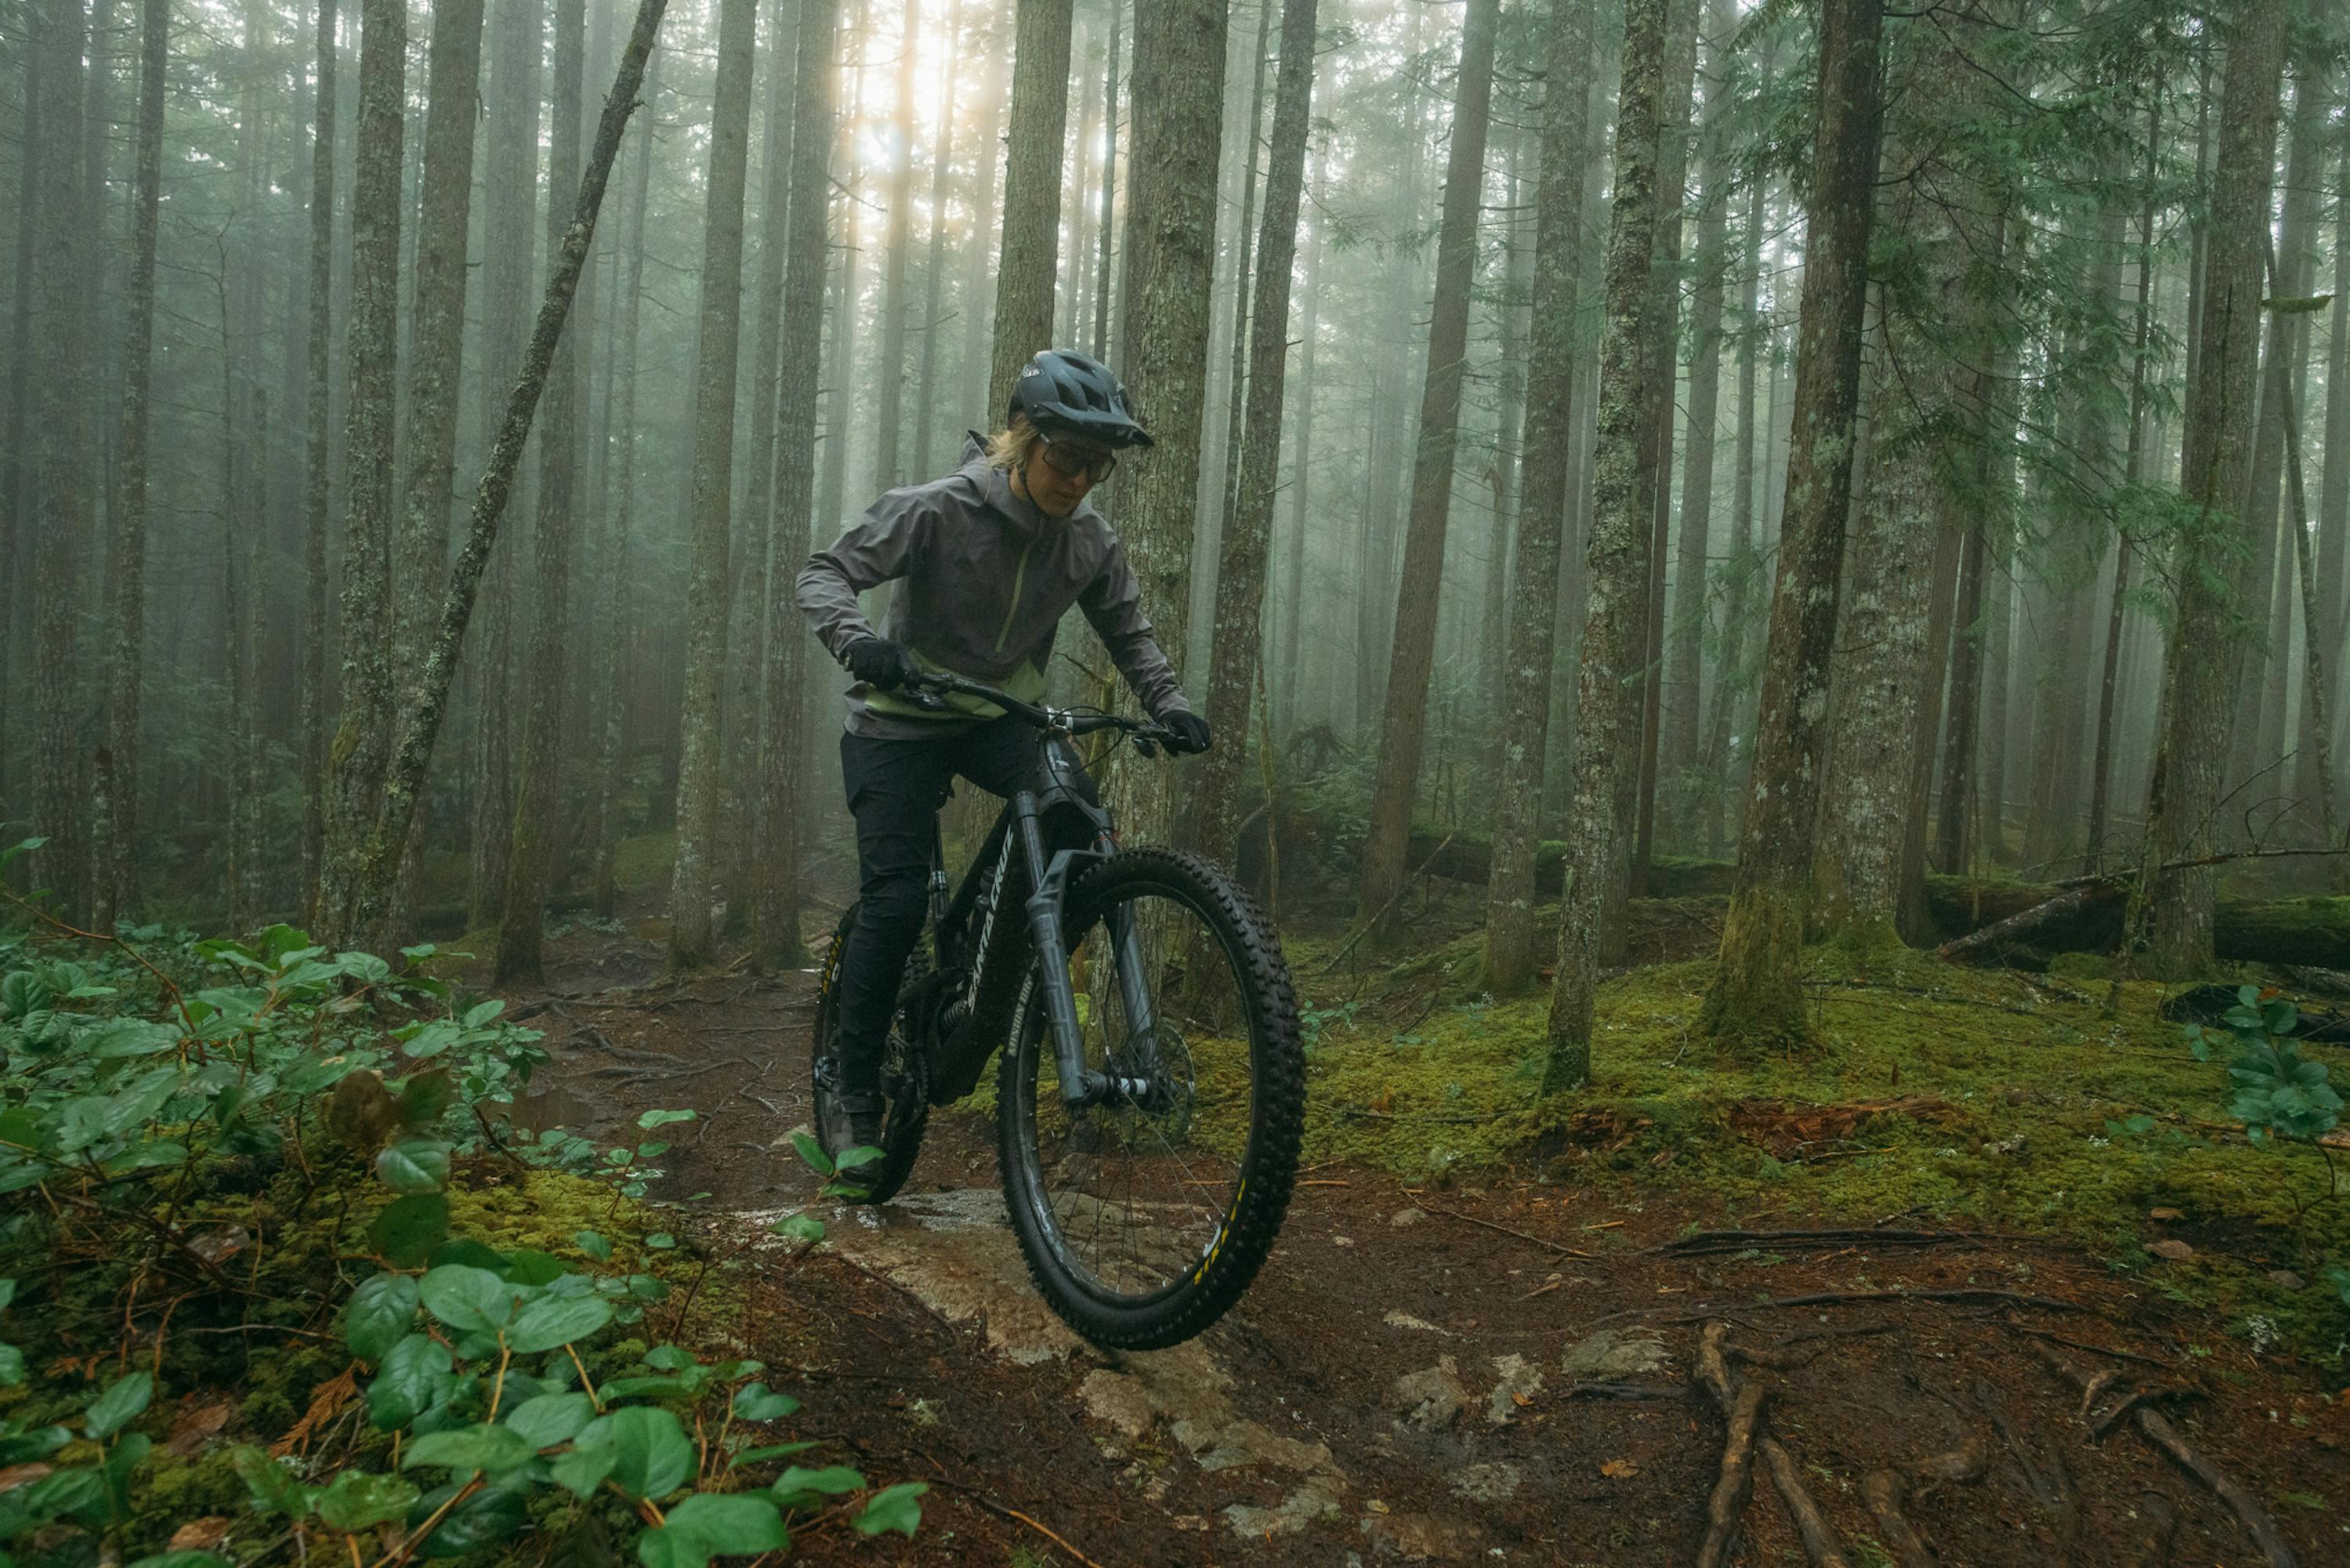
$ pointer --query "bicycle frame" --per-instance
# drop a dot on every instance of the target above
(1052, 787)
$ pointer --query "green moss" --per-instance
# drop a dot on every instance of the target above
(643, 861)
(2006, 1103)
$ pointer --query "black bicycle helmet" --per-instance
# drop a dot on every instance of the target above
(1064, 390)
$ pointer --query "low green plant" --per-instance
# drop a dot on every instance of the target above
(142, 1084)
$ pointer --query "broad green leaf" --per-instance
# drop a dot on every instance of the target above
(11, 1367)
(594, 1245)
(583, 1469)
(360, 1499)
(892, 1507)
(124, 1398)
(812, 1153)
(481, 1447)
(271, 1486)
(424, 1097)
(414, 1165)
(736, 1524)
(554, 1321)
(652, 1119)
(467, 1298)
(497, 1512)
(857, 1158)
(410, 1228)
(797, 1487)
(758, 1402)
(415, 1376)
(472, 1254)
(549, 1420)
(381, 1312)
(529, 1266)
(652, 1457)
(481, 1014)
(669, 1358)
(432, 1039)
(771, 1452)
(659, 1242)
(804, 1228)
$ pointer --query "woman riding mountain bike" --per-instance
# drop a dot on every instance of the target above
(985, 562)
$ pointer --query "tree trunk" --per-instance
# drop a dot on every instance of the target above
(1108, 185)
(317, 480)
(1551, 420)
(530, 857)
(926, 416)
(1679, 779)
(775, 929)
(1928, 332)
(1237, 389)
(611, 730)
(1176, 94)
(2333, 492)
(690, 940)
(890, 382)
(1755, 1000)
(2133, 466)
(510, 239)
(1509, 430)
(971, 384)
(1235, 664)
(2184, 798)
(355, 785)
(1301, 477)
(421, 725)
(1615, 634)
(1404, 724)
(116, 865)
(832, 479)
(1029, 261)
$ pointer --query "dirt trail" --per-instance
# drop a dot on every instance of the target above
(1487, 1375)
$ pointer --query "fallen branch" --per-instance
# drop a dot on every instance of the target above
(2160, 1434)
(1706, 1241)
(1737, 1477)
(1665, 1391)
(1506, 1231)
(2085, 1345)
(1969, 1295)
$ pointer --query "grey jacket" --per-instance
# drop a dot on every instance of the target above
(982, 581)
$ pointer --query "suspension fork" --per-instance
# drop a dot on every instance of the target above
(1048, 933)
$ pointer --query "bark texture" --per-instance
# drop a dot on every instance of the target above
(1235, 664)
(2207, 566)
(1403, 731)
(1615, 636)
(1551, 419)
(699, 784)
(317, 480)
(1031, 256)
(1755, 1000)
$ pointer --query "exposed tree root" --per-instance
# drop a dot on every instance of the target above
(1706, 1241)
(1742, 1408)
(1885, 1492)
(1967, 1296)
(2150, 1533)
(1819, 1540)
(2158, 1432)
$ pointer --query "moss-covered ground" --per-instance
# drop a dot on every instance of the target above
(1936, 1095)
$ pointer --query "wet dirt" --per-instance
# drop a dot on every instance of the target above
(1495, 1373)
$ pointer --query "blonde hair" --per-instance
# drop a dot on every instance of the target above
(1009, 448)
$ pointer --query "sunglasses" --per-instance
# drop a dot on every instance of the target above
(1092, 467)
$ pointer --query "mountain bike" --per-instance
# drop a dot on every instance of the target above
(1151, 1089)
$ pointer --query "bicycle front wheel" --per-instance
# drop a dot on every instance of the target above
(1146, 1210)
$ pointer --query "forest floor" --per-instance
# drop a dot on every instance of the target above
(1477, 1337)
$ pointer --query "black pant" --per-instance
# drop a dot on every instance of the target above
(895, 789)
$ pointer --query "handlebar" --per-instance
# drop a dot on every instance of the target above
(930, 691)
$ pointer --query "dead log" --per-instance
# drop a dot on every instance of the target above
(1819, 1539)
(1885, 1492)
(1742, 1409)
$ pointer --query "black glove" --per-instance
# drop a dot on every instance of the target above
(1188, 731)
(879, 663)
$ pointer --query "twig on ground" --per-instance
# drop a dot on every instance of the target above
(1967, 1296)
(1706, 1241)
(2085, 1345)
(2160, 1434)
(1506, 1231)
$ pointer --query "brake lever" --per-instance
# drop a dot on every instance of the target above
(1144, 744)
(929, 700)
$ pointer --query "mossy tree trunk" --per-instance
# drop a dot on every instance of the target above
(926, 417)
(699, 786)
(1403, 728)
(1755, 999)
(890, 383)
(1178, 95)
(1551, 417)
(2206, 567)
(774, 911)
(1615, 634)
(537, 837)
(361, 742)
(316, 482)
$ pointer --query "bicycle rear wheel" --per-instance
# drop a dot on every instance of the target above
(905, 1077)
(1143, 1216)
